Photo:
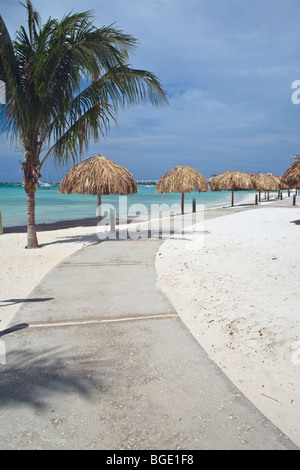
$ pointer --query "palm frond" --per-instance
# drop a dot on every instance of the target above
(34, 18)
(127, 86)
(72, 139)
(45, 68)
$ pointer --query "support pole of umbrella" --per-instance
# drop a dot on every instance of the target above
(294, 200)
(182, 203)
(99, 207)
(194, 204)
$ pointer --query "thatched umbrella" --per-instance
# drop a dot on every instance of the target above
(263, 182)
(182, 179)
(231, 181)
(283, 185)
(98, 175)
(292, 175)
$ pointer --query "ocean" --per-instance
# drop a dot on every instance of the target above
(53, 207)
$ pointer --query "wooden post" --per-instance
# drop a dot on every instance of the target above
(1, 226)
(99, 207)
(232, 197)
(294, 200)
(182, 203)
(194, 204)
(256, 199)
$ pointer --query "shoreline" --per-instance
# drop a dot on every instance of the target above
(271, 384)
(240, 199)
(26, 268)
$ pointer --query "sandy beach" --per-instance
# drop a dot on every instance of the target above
(238, 293)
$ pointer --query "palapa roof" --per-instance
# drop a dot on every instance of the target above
(292, 175)
(283, 185)
(231, 180)
(98, 175)
(263, 182)
(182, 179)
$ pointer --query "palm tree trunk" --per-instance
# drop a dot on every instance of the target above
(32, 241)
(31, 175)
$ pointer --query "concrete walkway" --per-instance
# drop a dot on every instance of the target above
(97, 358)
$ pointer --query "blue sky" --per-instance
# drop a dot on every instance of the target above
(228, 68)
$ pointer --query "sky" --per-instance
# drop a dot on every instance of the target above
(227, 67)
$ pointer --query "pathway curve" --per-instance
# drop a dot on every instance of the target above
(97, 358)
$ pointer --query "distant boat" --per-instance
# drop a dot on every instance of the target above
(44, 185)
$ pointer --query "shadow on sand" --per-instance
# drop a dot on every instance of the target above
(32, 379)
(10, 302)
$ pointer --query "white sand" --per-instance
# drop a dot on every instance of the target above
(239, 295)
(22, 269)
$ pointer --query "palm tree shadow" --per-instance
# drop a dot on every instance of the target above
(10, 302)
(90, 239)
(33, 381)
(296, 222)
(14, 328)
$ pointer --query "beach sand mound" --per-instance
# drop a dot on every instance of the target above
(238, 293)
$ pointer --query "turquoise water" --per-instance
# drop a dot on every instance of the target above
(54, 207)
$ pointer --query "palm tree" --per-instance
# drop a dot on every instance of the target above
(65, 81)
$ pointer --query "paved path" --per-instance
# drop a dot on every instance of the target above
(97, 358)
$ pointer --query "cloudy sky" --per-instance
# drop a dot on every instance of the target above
(227, 67)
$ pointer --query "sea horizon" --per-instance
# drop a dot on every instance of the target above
(52, 207)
